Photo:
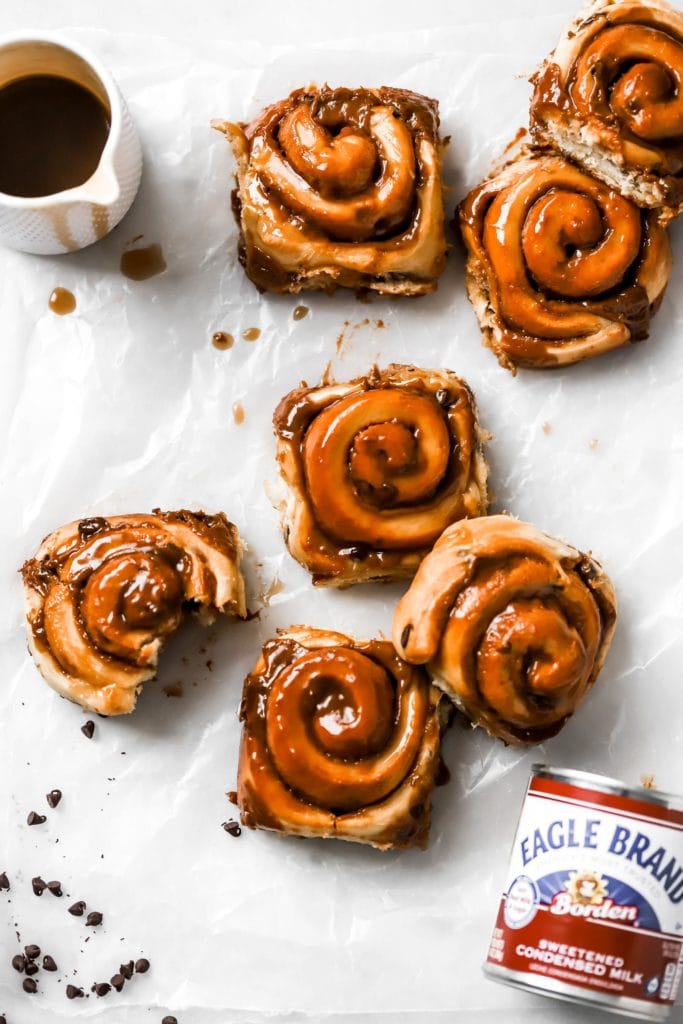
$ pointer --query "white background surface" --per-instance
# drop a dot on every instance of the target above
(125, 405)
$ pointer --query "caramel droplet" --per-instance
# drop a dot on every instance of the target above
(62, 301)
(140, 264)
(238, 413)
(222, 340)
(252, 334)
(300, 312)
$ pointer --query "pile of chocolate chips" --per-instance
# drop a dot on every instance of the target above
(117, 981)
(25, 963)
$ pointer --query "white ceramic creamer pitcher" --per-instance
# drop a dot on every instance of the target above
(76, 217)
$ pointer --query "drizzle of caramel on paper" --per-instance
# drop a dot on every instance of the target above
(62, 301)
(222, 340)
(141, 264)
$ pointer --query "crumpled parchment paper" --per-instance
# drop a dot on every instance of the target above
(126, 405)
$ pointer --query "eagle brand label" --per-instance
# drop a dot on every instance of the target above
(593, 904)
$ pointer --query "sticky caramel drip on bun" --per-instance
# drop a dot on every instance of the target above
(102, 595)
(560, 268)
(512, 624)
(340, 740)
(375, 469)
(341, 187)
(611, 98)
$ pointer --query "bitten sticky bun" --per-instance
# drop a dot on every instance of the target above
(102, 595)
(512, 624)
(559, 268)
(610, 98)
(375, 469)
(340, 740)
(341, 187)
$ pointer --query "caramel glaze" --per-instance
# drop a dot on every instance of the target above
(620, 78)
(353, 518)
(355, 706)
(41, 574)
(142, 263)
(515, 626)
(62, 301)
(338, 111)
(52, 134)
(583, 221)
(222, 340)
(124, 578)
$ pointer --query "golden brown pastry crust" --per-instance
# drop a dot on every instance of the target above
(609, 97)
(375, 469)
(102, 595)
(559, 267)
(512, 624)
(341, 187)
(340, 740)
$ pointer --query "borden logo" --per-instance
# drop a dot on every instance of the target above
(585, 895)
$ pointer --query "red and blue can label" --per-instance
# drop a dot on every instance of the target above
(593, 904)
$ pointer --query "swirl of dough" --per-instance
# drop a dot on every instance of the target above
(560, 267)
(611, 97)
(377, 468)
(340, 738)
(514, 625)
(330, 179)
(103, 594)
(341, 187)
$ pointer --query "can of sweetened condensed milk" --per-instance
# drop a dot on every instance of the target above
(592, 909)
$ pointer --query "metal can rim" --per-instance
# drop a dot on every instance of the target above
(607, 784)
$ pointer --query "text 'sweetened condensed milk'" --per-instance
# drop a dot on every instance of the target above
(593, 904)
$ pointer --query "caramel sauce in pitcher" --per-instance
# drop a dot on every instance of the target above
(52, 133)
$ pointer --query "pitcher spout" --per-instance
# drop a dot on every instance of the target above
(102, 188)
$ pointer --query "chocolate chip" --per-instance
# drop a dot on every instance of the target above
(48, 963)
(93, 919)
(53, 797)
(443, 396)
(55, 888)
(127, 970)
(232, 828)
(76, 909)
(141, 966)
(88, 729)
(88, 528)
(169, 1020)
(32, 952)
(3, 1019)
(101, 988)
(405, 635)
(72, 992)
(417, 810)
(19, 962)
(118, 981)
(38, 885)
(31, 968)
(36, 819)
(4, 880)
(29, 986)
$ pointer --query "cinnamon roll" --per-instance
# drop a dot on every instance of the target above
(102, 595)
(512, 624)
(340, 740)
(610, 98)
(375, 469)
(560, 268)
(341, 187)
